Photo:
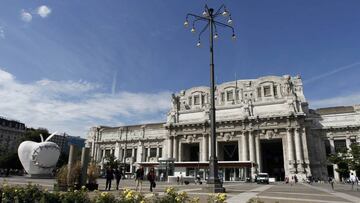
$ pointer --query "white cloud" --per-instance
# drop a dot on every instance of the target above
(2, 33)
(25, 16)
(73, 107)
(43, 11)
(349, 100)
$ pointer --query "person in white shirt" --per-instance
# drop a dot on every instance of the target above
(352, 180)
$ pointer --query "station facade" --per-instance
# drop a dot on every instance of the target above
(263, 125)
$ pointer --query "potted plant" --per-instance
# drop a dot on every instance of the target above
(92, 174)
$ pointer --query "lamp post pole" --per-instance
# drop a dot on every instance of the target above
(214, 184)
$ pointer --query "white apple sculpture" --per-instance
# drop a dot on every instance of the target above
(39, 158)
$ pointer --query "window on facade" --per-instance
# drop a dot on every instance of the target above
(196, 100)
(237, 95)
(160, 152)
(340, 145)
(128, 153)
(267, 92)
(327, 147)
(203, 99)
(107, 152)
(275, 90)
(152, 152)
(229, 95)
(146, 153)
(259, 92)
(222, 96)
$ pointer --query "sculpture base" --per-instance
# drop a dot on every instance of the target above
(40, 176)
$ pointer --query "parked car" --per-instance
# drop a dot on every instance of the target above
(262, 178)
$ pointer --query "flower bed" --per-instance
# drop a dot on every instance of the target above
(34, 193)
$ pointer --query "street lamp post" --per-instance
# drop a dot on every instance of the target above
(208, 16)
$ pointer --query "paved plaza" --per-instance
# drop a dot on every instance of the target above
(236, 192)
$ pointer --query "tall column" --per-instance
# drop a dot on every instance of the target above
(290, 149)
(305, 151)
(175, 149)
(244, 147)
(332, 145)
(204, 148)
(140, 152)
(298, 150)
(117, 149)
(251, 147)
(258, 152)
(272, 90)
(252, 152)
(93, 149)
(335, 166)
(133, 152)
(148, 153)
(121, 154)
(157, 151)
(240, 149)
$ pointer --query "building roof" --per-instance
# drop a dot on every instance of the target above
(335, 110)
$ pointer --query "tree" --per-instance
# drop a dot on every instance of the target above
(110, 161)
(10, 161)
(347, 159)
(33, 134)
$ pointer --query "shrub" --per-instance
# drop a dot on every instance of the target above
(217, 198)
(172, 196)
(61, 176)
(31, 193)
(104, 197)
(131, 196)
(255, 200)
(92, 173)
(50, 197)
(75, 196)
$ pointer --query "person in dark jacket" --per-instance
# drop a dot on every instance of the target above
(139, 177)
(151, 178)
(109, 176)
(118, 173)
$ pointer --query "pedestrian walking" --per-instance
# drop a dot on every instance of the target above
(295, 179)
(331, 181)
(162, 177)
(118, 175)
(151, 178)
(109, 176)
(292, 181)
(139, 177)
(352, 180)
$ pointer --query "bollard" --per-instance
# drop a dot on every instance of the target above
(85, 157)
(70, 165)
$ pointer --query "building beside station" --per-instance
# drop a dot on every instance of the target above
(12, 132)
(64, 141)
(263, 125)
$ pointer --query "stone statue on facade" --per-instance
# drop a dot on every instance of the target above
(174, 112)
(248, 108)
(288, 87)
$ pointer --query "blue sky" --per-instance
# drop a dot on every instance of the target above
(68, 65)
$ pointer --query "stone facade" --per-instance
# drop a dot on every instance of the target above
(11, 134)
(256, 120)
